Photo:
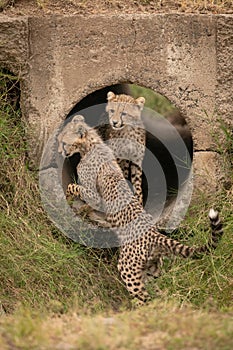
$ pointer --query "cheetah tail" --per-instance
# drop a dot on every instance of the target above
(216, 233)
(215, 237)
(185, 251)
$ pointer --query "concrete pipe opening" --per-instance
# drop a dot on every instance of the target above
(169, 150)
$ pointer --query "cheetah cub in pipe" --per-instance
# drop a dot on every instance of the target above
(127, 136)
(103, 187)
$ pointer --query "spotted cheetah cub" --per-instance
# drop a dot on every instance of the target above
(127, 136)
(103, 187)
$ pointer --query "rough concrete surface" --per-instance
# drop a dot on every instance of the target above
(61, 59)
(14, 43)
(208, 172)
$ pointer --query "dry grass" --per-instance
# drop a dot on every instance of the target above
(116, 6)
(157, 326)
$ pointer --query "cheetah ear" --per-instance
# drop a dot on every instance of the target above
(110, 96)
(140, 102)
(78, 118)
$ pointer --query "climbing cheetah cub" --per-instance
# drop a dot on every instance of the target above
(103, 186)
(127, 136)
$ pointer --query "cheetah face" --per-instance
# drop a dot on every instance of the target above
(123, 110)
(73, 137)
(72, 143)
(69, 144)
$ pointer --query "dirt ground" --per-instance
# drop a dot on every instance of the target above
(72, 7)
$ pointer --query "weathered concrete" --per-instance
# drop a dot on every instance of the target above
(14, 44)
(208, 173)
(224, 63)
(187, 58)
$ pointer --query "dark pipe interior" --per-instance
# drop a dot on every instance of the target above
(93, 109)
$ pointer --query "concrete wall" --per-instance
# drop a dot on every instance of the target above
(187, 58)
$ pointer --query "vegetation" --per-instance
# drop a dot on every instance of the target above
(154, 100)
(158, 326)
(38, 265)
(50, 287)
(98, 6)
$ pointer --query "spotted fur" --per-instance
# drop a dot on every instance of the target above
(127, 136)
(103, 187)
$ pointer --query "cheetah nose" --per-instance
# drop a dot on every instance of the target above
(66, 153)
(114, 123)
(81, 132)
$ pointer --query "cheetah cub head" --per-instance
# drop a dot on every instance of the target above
(76, 137)
(124, 110)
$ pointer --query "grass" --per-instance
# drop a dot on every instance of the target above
(38, 265)
(53, 290)
(157, 326)
(189, 6)
(154, 100)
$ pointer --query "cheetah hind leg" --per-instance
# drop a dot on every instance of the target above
(153, 269)
(136, 287)
(133, 277)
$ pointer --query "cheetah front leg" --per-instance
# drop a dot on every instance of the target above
(85, 210)
(136, 180)
(124, 165)
(72, 191)
(86, 195)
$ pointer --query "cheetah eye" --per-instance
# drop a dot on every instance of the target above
(111, 111)
(123, 114)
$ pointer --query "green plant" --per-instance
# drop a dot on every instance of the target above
(154, 100)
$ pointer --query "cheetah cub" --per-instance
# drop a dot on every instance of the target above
(127, 136)
(103, 187)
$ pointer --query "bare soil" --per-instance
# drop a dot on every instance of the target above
(72, 7)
